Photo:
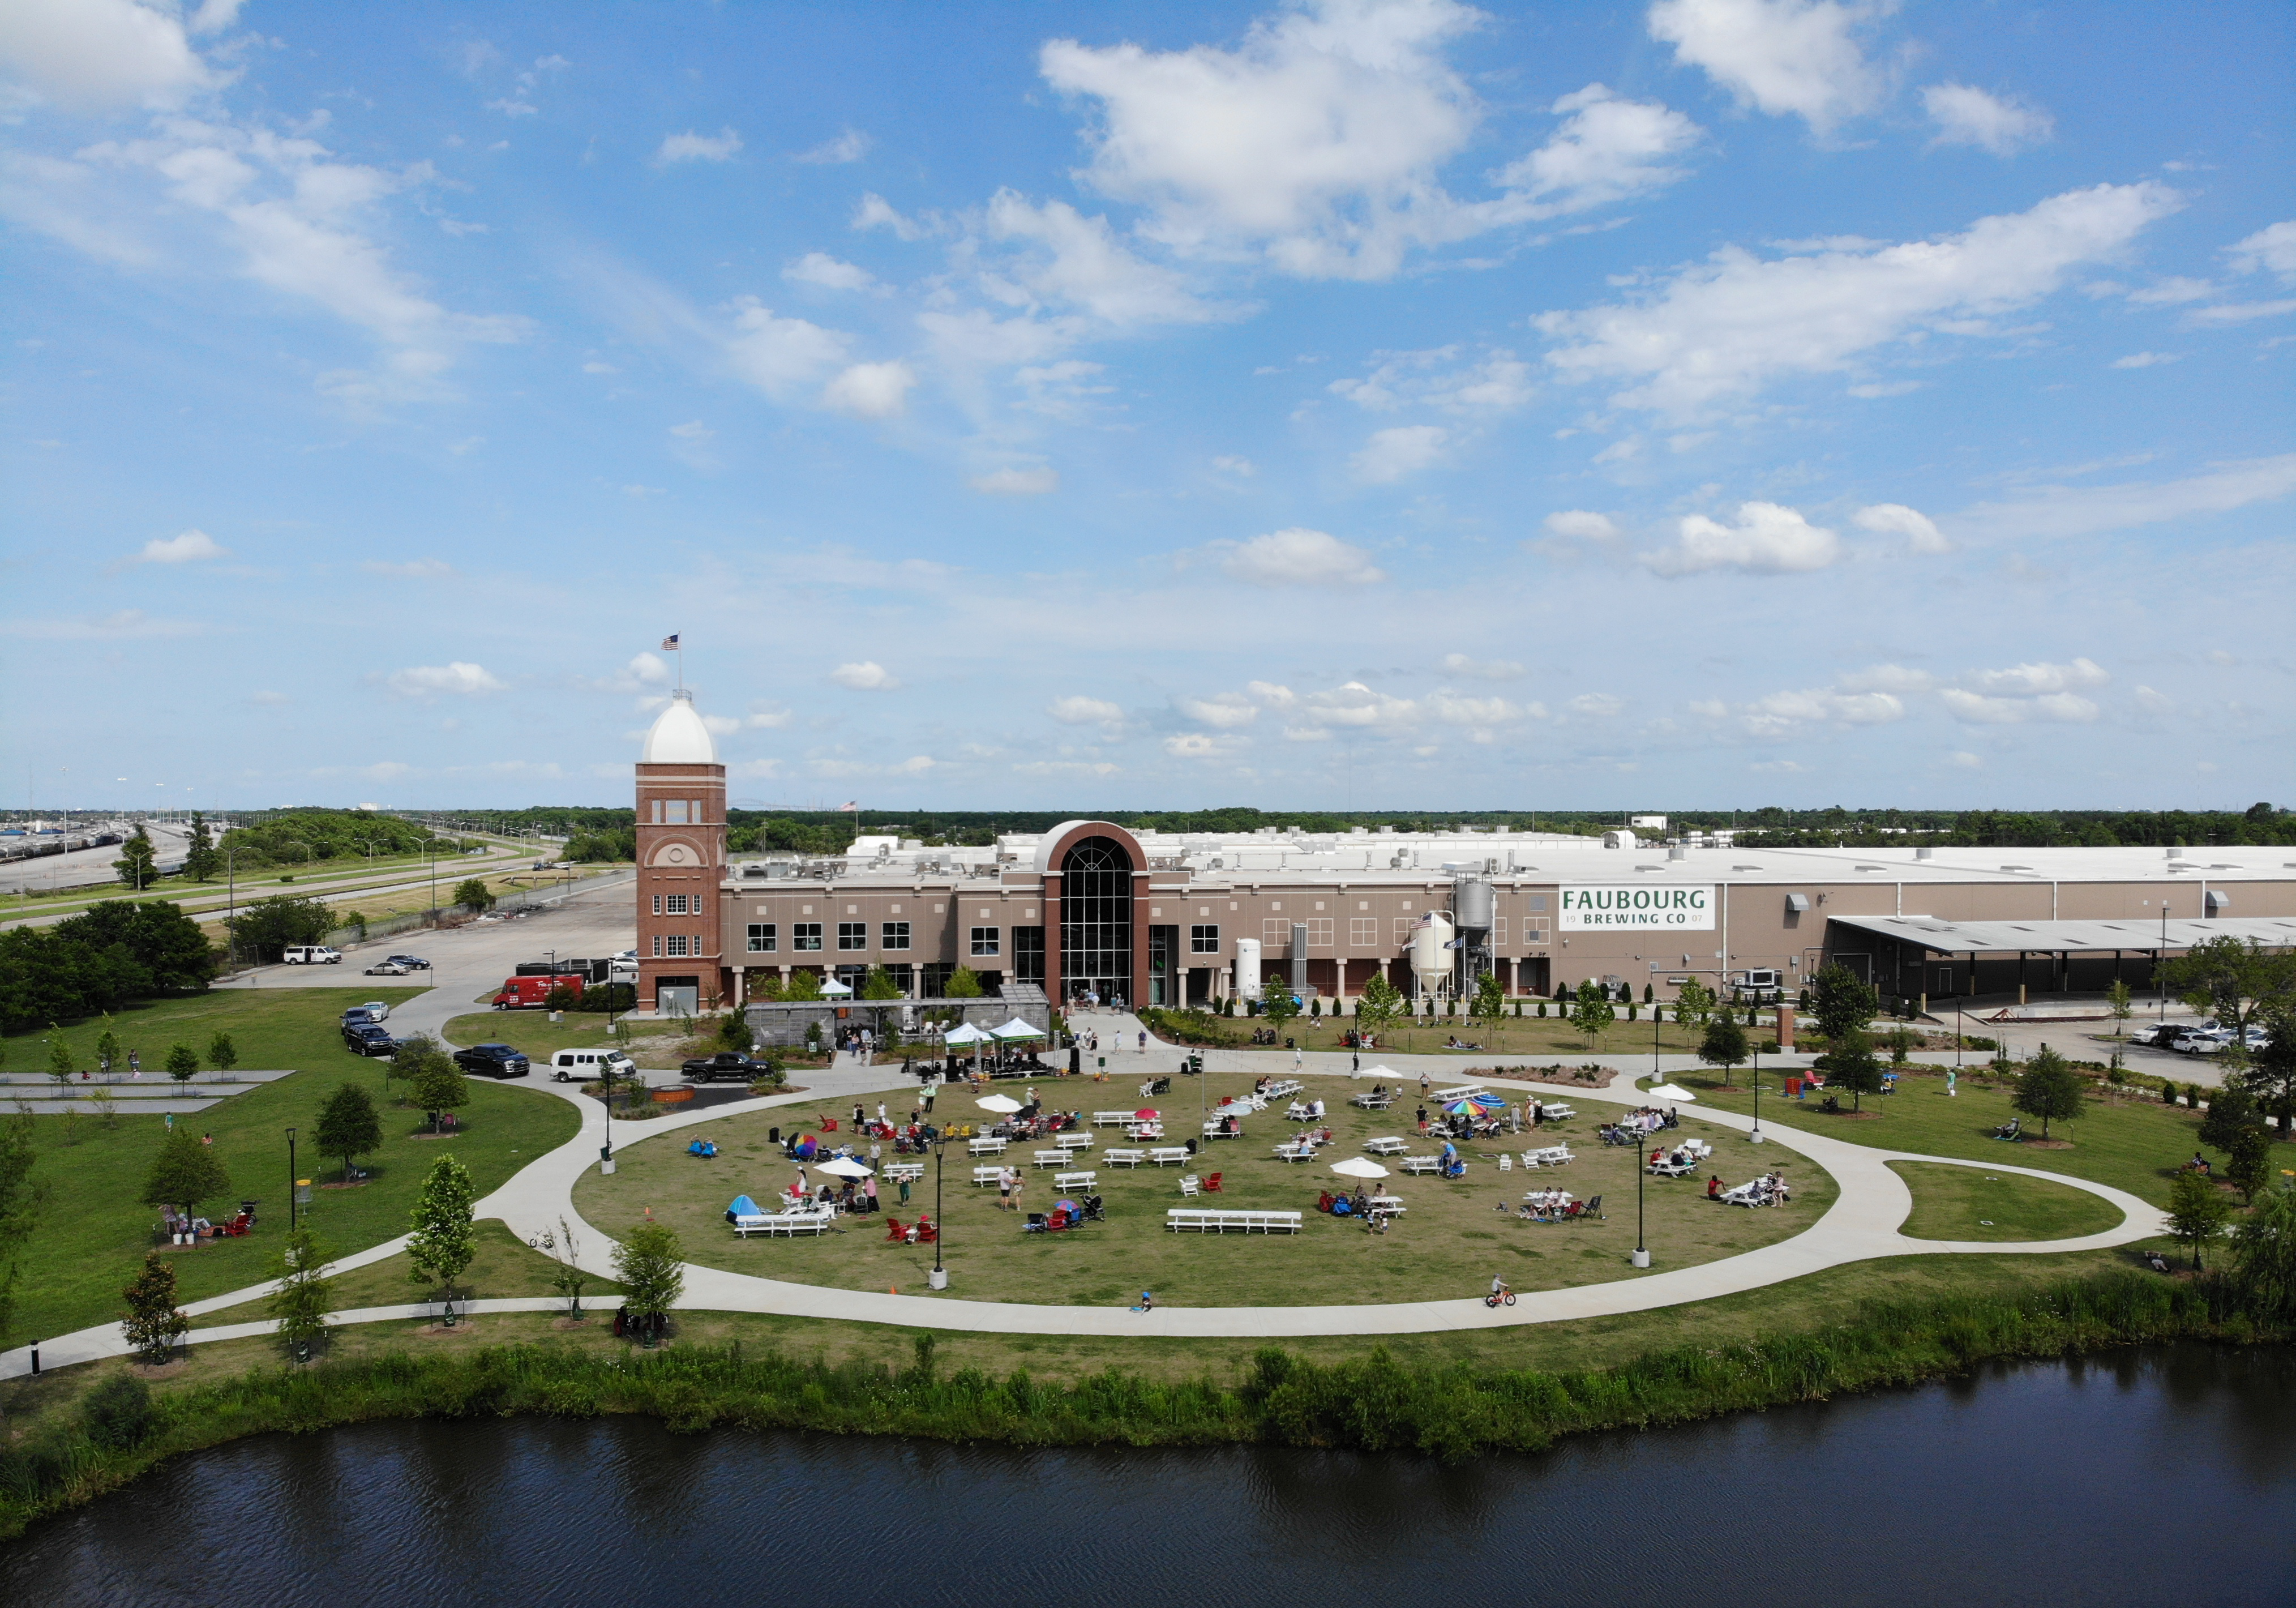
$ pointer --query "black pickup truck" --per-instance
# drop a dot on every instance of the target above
(725, 1064)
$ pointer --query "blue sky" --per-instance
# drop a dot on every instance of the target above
(1365, 403)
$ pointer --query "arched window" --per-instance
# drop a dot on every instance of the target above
(1096, 920)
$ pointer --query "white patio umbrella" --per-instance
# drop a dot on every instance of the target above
(1017, 1029)
(1003, 1104)
(845, 1167)
(1667, 1091)
(1359, 1167)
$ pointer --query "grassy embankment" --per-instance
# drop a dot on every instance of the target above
(94, 1232)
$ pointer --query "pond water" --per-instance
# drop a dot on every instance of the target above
(2144, 1477)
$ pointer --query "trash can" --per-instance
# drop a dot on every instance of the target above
(1793, 1089)
(772, 1135)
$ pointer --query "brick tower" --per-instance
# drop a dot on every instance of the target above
(681, 853)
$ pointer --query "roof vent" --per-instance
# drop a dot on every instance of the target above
(1926, 853)
(1677, 852)
(2016, 868)
(2219, 899)
(1798, 902)
(2177, 851)
(1873, 868)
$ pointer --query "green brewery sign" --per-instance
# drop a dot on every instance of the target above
(1638, 909)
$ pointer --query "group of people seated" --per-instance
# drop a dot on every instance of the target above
(1064, 1215)
(1456, 1043)
(1770, 1189)
(1375, 1215)
(1304, 1111)
(1550, 1206)
(183, 1227)
(1638, 1124)
(841, 1197)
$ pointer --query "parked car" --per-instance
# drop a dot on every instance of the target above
(412, 962)
(584, 1066)
(381, 1009)
(531, 993)
(368, 1038)
(2200, 1041)
(361, 1016)
(725, 1064)
(311, 954)
(388, 968)
(2156, 1034)
(493, 1060)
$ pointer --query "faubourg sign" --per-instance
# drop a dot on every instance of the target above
(1662, 909)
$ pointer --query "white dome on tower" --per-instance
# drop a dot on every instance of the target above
(678, 737)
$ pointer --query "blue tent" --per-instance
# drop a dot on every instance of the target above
(743, 1207)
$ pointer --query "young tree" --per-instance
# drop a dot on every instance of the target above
(1378, 1005)
(735, 1033)
(806, 985)
(1853, 1065)
(223, 1055)
(1724, 1045)
(1694, 1002)
(440, 1087)
(1279, 1005)
(349, 1126)
(444, 1238)
(185, 1173)
(200, 859)
(107, 1050)
(964, 983)
(1843, 1001)
(1594, 1012)
(2251, 1167)
(136, 865)
(303, 1299)
(471, 893)
(153, 1324)
(2271, 1073)
(414, 1053)
(2231, 1111)
(651, 1266)
(2118, 998)
(2264, 1255)
(562, 1247)
(2231, 980)
(61, 1067)
(182, 1066)
(1490, 998)
(20, 1201)
(2048, 1088)
(2197, 1210)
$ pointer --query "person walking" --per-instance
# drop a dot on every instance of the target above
(1295, 1057)
(869, 1189)
(1951, 1077)
(1143, 1041)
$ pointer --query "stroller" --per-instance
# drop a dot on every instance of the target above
(1088, 1210)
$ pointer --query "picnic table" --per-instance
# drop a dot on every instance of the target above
(1289, 1086)
(1051, 1158)
(1552, 1155)
(1217, 1127)
(894, 1171)
(1550, 1113)
(1173, 1155)
(1296, 1150)
(1113, 1118)
(1386, 1145)
(1372, 1102)
(987, 1175)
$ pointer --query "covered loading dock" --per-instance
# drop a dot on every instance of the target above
(1921, 957)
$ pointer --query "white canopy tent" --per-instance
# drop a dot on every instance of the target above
(1016, 1029)
(966, 1033)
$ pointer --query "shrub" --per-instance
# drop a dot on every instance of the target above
(119, 1414)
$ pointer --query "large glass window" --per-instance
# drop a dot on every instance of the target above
(1096, 920)
(1203, 940)
(677, 943)
(805, 935)
(984, 940)
(1028, 956)
(897, 936)
(762, 938)
(677, 904)
(853, 935)
(677, 814)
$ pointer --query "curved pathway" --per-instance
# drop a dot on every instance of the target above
(1863, 1224)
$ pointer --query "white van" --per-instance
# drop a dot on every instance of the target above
(311, 954)
(588, 1066)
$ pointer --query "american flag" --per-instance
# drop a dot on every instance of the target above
(670, 644)
(849, 804)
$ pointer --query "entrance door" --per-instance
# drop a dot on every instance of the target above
(678, 997)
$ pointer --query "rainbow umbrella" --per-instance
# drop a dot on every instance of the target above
(1476, 1105)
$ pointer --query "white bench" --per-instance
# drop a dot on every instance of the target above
(1111, 1118)
(1216, 1128)
(1051, 1158)
(783, 1222)
(1123, 1158)
(1076, 1139)
(894, 1171)
(1204, 1221)
(1289, 1086)
(1169, 1156)
(1076, 1180)
(987, 1175)
(1389, 1145)
(1295, 1152)
(985, 1147)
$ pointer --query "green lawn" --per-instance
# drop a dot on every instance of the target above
(505, 1266)
(1967, 1203)
(1547, 1039)
(1449, 1242)
(531, 1032)
(93, 1231)
(2132, 1144)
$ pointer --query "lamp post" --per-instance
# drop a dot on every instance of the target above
(1756, 1137)
(291, 1180)
(1642, 1250)
(939, 1278)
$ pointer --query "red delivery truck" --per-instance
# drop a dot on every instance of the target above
(531, 993)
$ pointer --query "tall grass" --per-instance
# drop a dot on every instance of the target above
(1373, 1403)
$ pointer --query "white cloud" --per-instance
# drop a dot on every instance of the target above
(1485, 670)
(125, 623)
(2031, 680)
(867, 676)
(1243, 469)
(1078, 260)
(1017, 482)
(1226, 711)
(1577, 524)
(2068, 511)
(1201, 745)
(819, 267)
(1774, 715)
(691, 147)
(1784, 57)
(2155, 702)
(871, 390)
(1887, 678)
(1598, 706)
(1968, 116)
(724, 725)
(2172, 291)
(849, 146)
(1429, 378)
(1976, 709)
(1764, 538)
(769, 716)
(96, 54)
(189, 548)
(413, 569)
(2236, 312)
(595, 367)
(1729, 325)
(2038, 691)
(1895, 519)
(1610, 148)
(777, 355)
(693, 430)
(1965, 760)
(1391, 455)
(1080, 710)
(439, 680)
(2147, 359)
(875, 212)
(1298, 556)
(1065, 767)
(2269, 249)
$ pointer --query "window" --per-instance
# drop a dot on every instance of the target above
(657, 943)
(677, 943)
(677, 904)
(656, 812)
(1534, 932)
(1498, 932)
(676, 816)
(853, 935)
(932, 978)
(1029, 954)
(1404, 926)
(1319, 931)
(1362, 931)
(1203, 940)
(1539, 901)
(697, 811)
(896, 937)
(805, 935)
(985, 941)
(657, 904)
(1274, 935)
(763, 939)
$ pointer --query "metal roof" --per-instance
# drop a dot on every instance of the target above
(1962, 937)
